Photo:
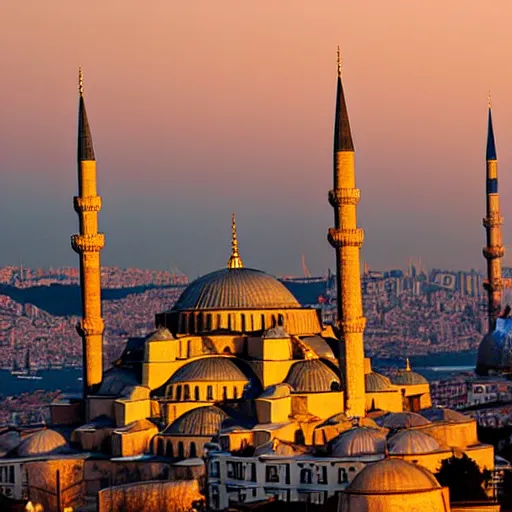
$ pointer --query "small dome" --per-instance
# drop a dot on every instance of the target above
(43, 442)
(359, 441)
(393, 476)
(203, 421)
(375, 382)
(219, 369)
(238, 288)
(402, 420)
(9, 440)
(312, 376)
(441, 414)
(412, 442)
(278, 391)
(116, 380)
(275, 333)
(161, 334)
(407, 378)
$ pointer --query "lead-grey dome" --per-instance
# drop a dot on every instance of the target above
(412, 442)
(359, 441)
(375, 382)
(203, 421)
(218, 369)
(312, 376)
(241, 288)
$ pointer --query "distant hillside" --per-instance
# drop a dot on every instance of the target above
(64, 300)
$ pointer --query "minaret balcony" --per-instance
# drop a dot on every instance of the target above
(346, 237)
(353, 326)
(493, 252)
(346, 196)
(494, 285)
(87, 204)
(493, 220)
(90, 327)
(87, 243)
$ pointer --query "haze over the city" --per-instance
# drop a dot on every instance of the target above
(200, 109)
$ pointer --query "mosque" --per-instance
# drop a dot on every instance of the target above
(240, 382)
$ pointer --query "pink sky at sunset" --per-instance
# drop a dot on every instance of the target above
(198, 109)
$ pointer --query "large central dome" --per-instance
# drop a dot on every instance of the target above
(236, 288)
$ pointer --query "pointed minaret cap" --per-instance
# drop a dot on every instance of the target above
(234, 261)
(342, 133)
(407, 365)
(490, 153)
(85, 149)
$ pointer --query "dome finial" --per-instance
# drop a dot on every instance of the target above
(338, 61)
(234, 261)
(407, 365)
(489, 101)
(80, 81)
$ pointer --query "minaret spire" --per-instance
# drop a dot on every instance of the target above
(347, 239)
(493, 251)
(88, 245)
(234, 261)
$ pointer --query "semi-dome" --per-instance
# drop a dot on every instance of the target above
(359, 441)
(375, 382)
(218, 369)
(402, 420)
(282, 390)
(161, 334)
(236, 288)
(443, 414)
(393, 476)
(43, 442)
(412, 442)
(203, 421)
(312, 376)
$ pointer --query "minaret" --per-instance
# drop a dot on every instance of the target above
(347, 240)
(88, 245)
(234, 261)
(494, 251)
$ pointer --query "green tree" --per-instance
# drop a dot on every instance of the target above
(464, 478)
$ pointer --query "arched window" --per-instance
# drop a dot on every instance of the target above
(305, 476)
(299, 437)
(196, 393)
(160, 449)
(193, 452)
(186, 392)
(235, 392)
(335, 386)
(169, 452)
(218, 322)
(226, 350)
(178, 393)
(168, 392)
(229, 323)
(209, 322)
(209, 393)
(191, 326)
(243, 323)
(224, 392)
(181, 450)
(262, 322)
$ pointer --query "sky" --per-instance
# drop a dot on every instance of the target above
(200, 109)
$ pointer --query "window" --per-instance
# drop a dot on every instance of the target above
(186, 392)
(196, 393)
(243, 323)
(181, 450)
(169, 452)
(178, 393)
(168, 392)
(193, 451)
(214, 469)
(160, 447)
(235, 392)
(209, 393)
(305, 476)
(224, 393)
(342, 476)
(271, 474)
(231, 469)
(322, 475)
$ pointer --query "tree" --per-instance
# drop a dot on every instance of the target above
(464, 478)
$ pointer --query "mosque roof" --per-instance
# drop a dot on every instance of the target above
(117, 380)
(442, 414)
(407, 378)
(236, 288)
(161, 334)
(203, 421)
(412, 442)
(42, 442)
(375, 382)
(282, 390)
(311, 376)
(393, 476)
(220, 369)
(402, 420)
(359, 441)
